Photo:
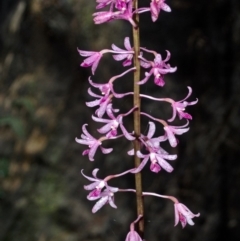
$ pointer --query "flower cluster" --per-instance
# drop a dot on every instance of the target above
(113, 126)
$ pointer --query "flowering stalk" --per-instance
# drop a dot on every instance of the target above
(136, 118)
(146, 148)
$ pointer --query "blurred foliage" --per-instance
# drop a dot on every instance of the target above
(26, 103)
(15, 123)
(4, 167)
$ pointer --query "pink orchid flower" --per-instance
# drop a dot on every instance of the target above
(157, 155)
(157, 161)
(113, 123)
(97, 186)
(184, 215)
(121, 56)
(93, 144)
(156, 6)
(153, 143)
(171, 131)
(92, 60)
(107, 196)
(107, 88)
(179, 107)
(159, 68)
(102, 102)
(149, 142)
(104, 88)
(107, 16)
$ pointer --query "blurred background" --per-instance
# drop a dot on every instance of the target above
(42, 109)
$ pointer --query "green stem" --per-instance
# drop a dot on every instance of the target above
(137, 123)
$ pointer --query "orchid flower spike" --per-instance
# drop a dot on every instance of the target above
(92, 143)
(184, 215)
(179, 107)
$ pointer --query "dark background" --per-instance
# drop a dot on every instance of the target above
(42, 109)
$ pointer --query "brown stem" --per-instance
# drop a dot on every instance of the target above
(137, 123)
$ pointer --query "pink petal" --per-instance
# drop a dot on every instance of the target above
(127, 43)
(171, 138)
(117, 49)
(93, 151)
(84, 129)
(111, 203)
(83, 142)
(95, 194)
(147, 76)
(89, 178)
(154, 167)
(145, 64)
(152, 129)
(106, 150)
(126, 134)
(176, 214)
(93, 103)
(119, 57)
(181, 131)
(131, 152)
(86, 53)
(169, 157)
(173, 115)
(91, 186)
(100, 119)
(165, 7)
(99, 204)
(142, 165)
(106, 128)
(165, 165)
(94, 172)
(133, 236)
(93, 94)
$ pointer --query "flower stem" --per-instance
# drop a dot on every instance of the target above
(137, 123)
